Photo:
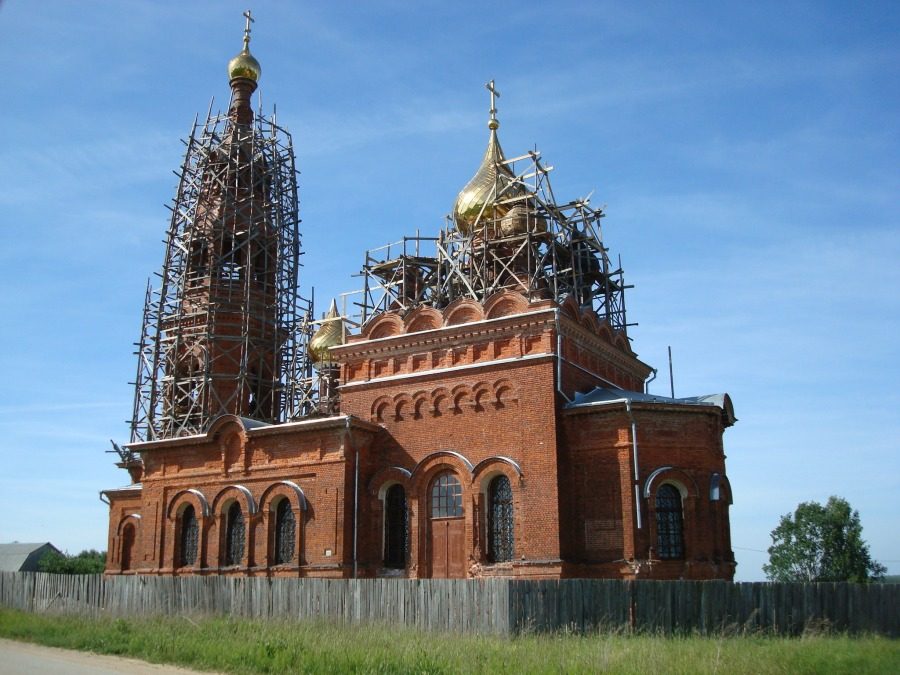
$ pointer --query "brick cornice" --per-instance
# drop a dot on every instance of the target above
(581, 336)
(455, 335)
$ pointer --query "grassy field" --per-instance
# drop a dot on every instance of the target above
(240, 646)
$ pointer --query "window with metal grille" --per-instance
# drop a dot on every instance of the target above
(234, 535)
(190, 533)
(500, 520)
(446, 497)
(285, 532)
(395, 527)
(669, 523)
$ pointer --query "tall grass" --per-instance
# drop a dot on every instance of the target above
(242, 646)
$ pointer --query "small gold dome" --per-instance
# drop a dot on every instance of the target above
(521, 219)
(491, 183)
(330, 334)
(244, 65)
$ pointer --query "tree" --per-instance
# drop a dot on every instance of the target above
(821, 543)
(86, 562)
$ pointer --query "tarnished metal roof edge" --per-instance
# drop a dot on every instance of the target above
(601, 396)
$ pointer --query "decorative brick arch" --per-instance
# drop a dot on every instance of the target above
(462, 396)
(421, 404)
(622, 342)
(383, 325)
(131, 518)
(482, 395)
(590, 322)
(283, 488)
(188, 496)
(238, 492)
(504, 392)
(685, 483)
(226, 424)
(488, 468)
(386, 477)
(452, 459)
(403, 407)
(570, 308)
(423, 318)
(440, 401)
(463, 310)
(719, 488)
(605, 332)
(380, 407)
(505, 303)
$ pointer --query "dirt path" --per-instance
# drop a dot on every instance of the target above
(23, 658)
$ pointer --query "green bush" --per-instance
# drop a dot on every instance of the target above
(86, 562)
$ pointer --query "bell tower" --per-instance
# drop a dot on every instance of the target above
(223, 334)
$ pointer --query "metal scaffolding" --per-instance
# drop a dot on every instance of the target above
(522, 240)
(225, 329)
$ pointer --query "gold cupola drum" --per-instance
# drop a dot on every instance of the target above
(331, 333)
(484, 206)
(506, 231)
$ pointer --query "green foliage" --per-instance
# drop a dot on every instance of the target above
(242, 646)
(821, 543)
(86, 562)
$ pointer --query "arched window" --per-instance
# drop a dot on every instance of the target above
(669, 523)
(190, 534)
(127, 546)
(500, 520)
(234, 535)
(446, 497)
(395, 527)
(285, 532)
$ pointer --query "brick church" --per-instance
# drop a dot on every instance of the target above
(482, 414)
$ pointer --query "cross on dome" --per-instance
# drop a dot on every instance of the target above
(493, 123)
(250, 20)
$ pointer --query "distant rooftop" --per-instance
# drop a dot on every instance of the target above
(19, 557)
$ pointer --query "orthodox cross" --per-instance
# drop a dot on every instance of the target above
(250, 20)
(494, 93)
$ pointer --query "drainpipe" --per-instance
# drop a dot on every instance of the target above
(649, 380)
(105, 501)
(634, 457)
(355, 491)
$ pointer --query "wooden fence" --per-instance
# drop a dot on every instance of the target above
(499, 606)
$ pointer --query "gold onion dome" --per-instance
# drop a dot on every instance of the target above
(493, 182)
(329, 335)
(245, 65)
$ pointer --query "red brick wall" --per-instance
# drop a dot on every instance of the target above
(477, 399)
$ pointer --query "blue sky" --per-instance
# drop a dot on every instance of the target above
(747, 155)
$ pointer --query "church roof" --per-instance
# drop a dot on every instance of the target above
(18, 557)
(605, 396)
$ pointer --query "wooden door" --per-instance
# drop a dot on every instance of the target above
(447, 548)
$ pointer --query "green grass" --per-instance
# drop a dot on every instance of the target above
(241, 646)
